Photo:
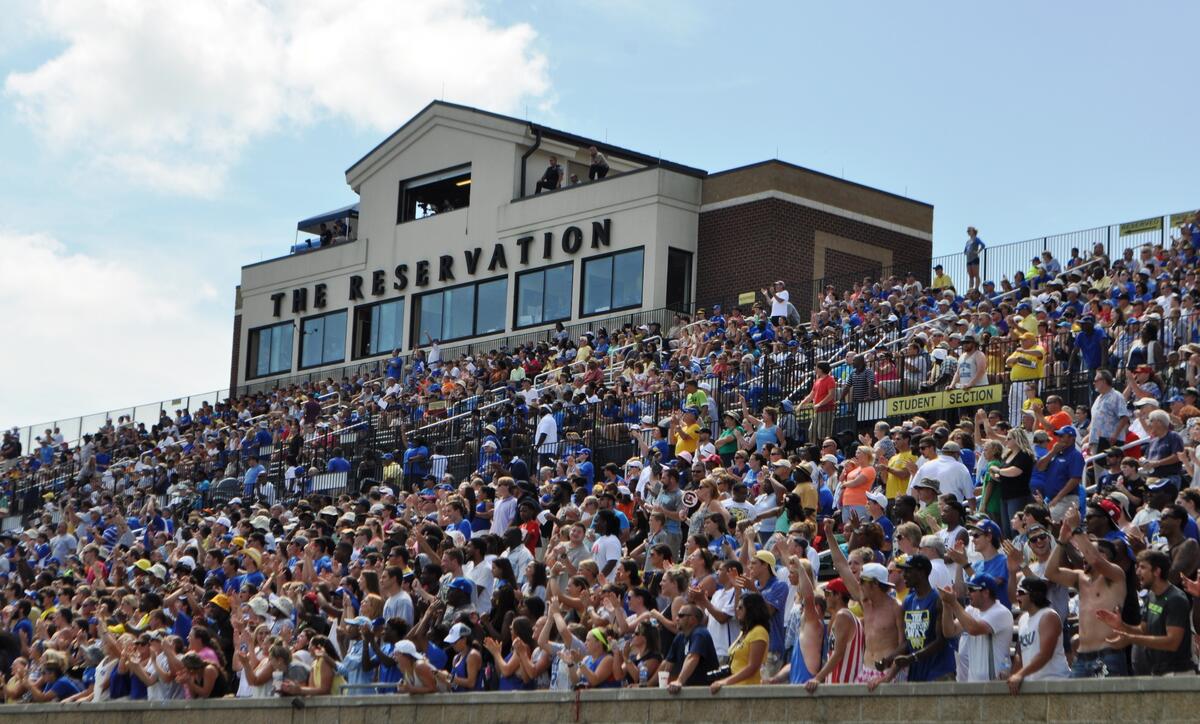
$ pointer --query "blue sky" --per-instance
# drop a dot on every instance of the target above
(143, 189)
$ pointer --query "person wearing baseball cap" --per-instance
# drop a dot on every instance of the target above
(985, 537)
(927, 656)
(881, 611)
(877, 508)
(417, 676)
(985, 628)
(760, 569)
(845, 663)
(466, 671)
(1062, 481)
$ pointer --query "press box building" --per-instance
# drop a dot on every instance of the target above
(449, 241)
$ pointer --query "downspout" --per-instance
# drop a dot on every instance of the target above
(537, 136)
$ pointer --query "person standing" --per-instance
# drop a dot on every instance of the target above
(985, 628)
(822, 399)
(1101, 586)
(546, 436)
(1110, 415)
(844, 657)
(778, 296)
(973, 251)
(1162, 636)
(928, 657)
(972, 366)
(1039, 636)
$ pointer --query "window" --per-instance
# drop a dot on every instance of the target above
(679, 279)
(612, 282)
(270, 350)
(435, 193)
(544, 295)
(323, 340)
(463, 311)
(378, 328)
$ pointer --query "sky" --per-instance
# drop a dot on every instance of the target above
(151, 149)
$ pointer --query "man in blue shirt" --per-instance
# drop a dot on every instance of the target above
(395, 366)
(583, 465)
(1090, 344)
(338, 463)
(774, 590)
(1063, 467)
(250, 481)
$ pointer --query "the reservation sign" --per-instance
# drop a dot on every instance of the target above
(932, 401)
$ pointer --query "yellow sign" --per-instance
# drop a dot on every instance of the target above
(944, 400)
(1178, 220)
(746, 298)
(1138, 227)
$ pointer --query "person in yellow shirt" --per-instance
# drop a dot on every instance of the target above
(940, 280)
(1026, 365)
(685, 431)
(584, 352)
(897, 465)
(749, 652)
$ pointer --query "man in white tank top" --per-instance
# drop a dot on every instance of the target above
(1039, 636)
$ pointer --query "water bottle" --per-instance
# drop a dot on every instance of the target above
(643, 676)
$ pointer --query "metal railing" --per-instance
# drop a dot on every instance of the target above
(1005, 260)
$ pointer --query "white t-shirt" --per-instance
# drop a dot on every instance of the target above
(779, 303)
(548, 427)
(606, 548)
(503, 514)
(986, 658)
(726, 633)
(481, 576)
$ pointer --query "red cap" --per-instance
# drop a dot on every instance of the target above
(1111, 508)
(837, 585)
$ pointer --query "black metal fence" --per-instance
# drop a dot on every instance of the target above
(1004, 260)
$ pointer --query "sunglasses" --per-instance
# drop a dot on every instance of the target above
(1039, 538)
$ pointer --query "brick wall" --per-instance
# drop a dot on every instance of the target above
(742, 248)
(237, 345)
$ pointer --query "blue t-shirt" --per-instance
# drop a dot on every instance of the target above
(997, 567)
(776, 593)
(462, 526)
(64, 687)
(338, 465)
(921, 620)
(1062, 467)
(588, 471)
(1089, 347)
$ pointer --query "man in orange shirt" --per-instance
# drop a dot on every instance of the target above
(1056, 419)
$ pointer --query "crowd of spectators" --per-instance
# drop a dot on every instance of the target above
(738, 539)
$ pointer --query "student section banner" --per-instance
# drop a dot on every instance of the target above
(930, 402)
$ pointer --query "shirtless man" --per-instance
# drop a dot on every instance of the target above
(808, 652)
(1101, 586)
(883, 616)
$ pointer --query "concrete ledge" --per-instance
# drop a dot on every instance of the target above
(1126, 700)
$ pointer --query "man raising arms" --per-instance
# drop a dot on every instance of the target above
(1101, 586)
(883, 616)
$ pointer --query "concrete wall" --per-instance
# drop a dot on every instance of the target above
(1126, 700)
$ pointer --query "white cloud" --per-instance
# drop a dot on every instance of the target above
(168, 94)
(84, 333)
